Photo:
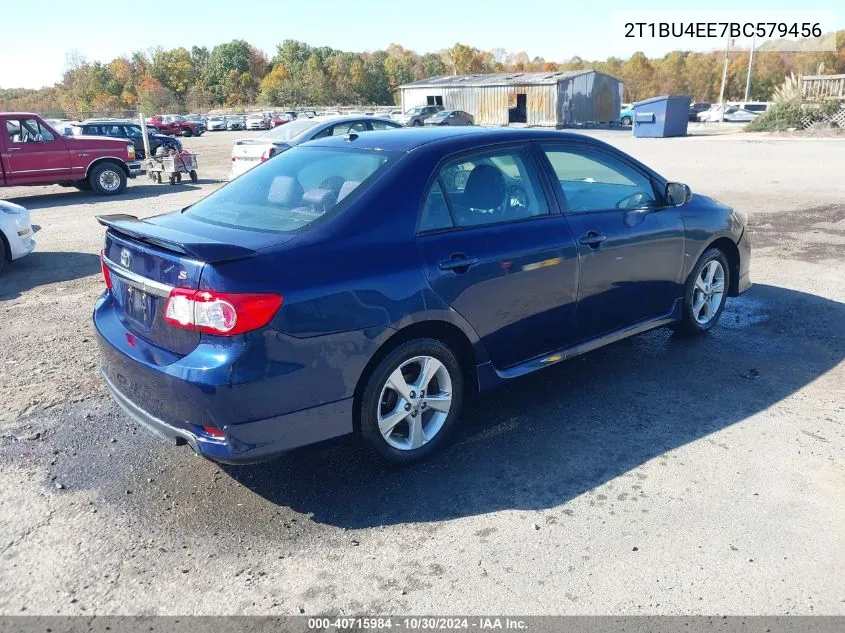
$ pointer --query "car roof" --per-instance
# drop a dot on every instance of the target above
(112, 121)
(449, 138)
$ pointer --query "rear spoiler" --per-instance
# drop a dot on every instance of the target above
(196, 246)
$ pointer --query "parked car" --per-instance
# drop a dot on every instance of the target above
(306, 114)
(197, 118)
(277, 119)
(249, 152)
(15, 233)
(215, 123)
(32, 153)
(450, 117)
(325, 113)
(316, 296)
(758, 107)
(417, 116)
(236, 122)
(697, 108)
(176, 125)
(127, 130)
(732, 114)
(391, 114)
(257, 121)
(626, 115)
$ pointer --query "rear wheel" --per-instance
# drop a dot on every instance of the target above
(626, 120)
(5, 255)
(705, 293)
(187, 132)
(417, 123)
(412, 401)
(107, 179)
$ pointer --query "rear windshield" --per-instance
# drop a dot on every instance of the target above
(293, 190)
(289, 130)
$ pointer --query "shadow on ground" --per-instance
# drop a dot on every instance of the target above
(563, 431)
(40, 268)
(535, 444)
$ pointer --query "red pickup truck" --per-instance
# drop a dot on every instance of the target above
(176, 125)
(33, 153)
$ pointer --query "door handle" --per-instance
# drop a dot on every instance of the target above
(592, 239)
(458, 263)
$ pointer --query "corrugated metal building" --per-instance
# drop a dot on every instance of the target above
(548, 98)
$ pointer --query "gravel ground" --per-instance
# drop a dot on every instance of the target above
(658, 475)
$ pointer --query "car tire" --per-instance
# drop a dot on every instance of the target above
(626, 120)
(107, 179)
(403, 430)
(470, 123)
(187, 132)
(5, 255)
(703, 303)
(416, 123)
(193, 174)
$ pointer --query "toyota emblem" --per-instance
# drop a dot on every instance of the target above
(125, 257)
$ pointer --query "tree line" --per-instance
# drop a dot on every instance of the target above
(237, 74)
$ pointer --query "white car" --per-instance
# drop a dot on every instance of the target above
(257, 122)
(250, 152)
(215, 123)
(732, 115)
(16, 231)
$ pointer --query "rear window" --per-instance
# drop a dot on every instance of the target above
(293, 190)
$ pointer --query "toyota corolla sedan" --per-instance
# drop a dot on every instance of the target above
(364, 284)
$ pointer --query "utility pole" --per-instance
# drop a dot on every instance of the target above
(750, 61)
(724, 79)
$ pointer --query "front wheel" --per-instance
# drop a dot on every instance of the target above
(416, 124)
(107, 179)
(626, 120)
(412, 400)
(187, 132)
(705, 293)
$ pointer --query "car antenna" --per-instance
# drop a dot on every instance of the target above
(351, 136)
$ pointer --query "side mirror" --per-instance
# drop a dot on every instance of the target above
(677, 194)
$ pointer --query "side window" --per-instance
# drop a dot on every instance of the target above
(491, 188)
(435, 214)
(28, 131)
(382, 125)
(594, 181)
(342, 129)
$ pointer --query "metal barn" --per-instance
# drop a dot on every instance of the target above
(555, 99)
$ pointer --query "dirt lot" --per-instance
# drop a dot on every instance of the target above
(659, 475)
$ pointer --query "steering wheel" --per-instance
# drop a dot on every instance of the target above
(517, 198)
(636, 200)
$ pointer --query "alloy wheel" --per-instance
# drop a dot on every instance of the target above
(414, 403)
(709, 292)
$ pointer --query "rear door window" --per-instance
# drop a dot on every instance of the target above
(487, 188)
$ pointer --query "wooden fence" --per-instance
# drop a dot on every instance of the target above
(818, 87)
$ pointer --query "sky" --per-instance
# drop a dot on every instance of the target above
(553, 29)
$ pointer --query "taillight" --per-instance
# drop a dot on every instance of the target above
(268, 154)
(223, 313)
(106, 273)
(213, 431)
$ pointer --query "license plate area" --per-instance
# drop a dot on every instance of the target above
(139, 306)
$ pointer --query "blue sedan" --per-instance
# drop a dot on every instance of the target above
(365, 284)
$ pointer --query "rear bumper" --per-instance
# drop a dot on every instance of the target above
(267, 393)
(251, 442)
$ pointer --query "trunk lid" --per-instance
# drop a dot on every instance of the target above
(148, 258)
